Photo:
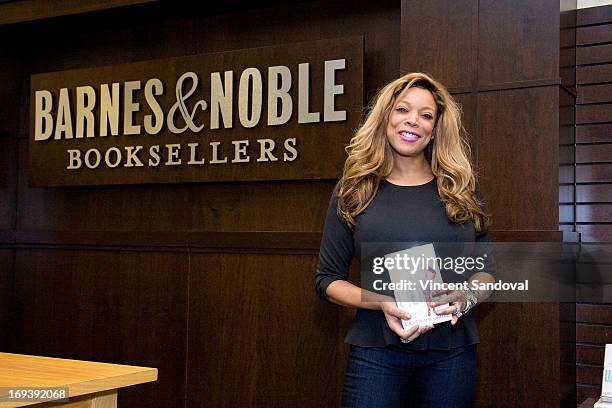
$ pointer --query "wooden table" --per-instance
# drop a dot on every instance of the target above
(90, 384)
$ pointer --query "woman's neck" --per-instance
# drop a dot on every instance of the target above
(410, 171)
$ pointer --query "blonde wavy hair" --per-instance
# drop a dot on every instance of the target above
(370, 157)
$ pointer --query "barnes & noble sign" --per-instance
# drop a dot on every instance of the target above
(273, 113)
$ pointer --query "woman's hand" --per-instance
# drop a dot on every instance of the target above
(395, 315)
(455, 298)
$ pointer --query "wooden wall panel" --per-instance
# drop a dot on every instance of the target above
(28, 10)
(594, 133)
(516, 41)
(594, 93)
(594, 34)
(567, 48)
(119, 307)
(588, 173)
(588, 333)
(520, 349)
(7, 273)
(594, 313)
(257, 335)
(594, 153)
(507, 129)
(378, 22)
(8, 181)
(587, 193)
(595, 232)
(594, 113)
(450, 36)
(592, 74)
(566, 194)
(467, 101)
(594, 54)
(590, 354)
(594, 15)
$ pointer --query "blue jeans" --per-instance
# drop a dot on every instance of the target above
(378, 377)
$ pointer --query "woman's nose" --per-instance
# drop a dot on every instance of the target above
(411, 120)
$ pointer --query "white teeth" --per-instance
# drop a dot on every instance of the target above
(410, 135)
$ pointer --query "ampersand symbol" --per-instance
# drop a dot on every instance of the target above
(180, 104)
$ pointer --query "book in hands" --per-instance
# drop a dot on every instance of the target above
(413, 279)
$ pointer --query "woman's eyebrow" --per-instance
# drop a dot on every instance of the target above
(424, 107)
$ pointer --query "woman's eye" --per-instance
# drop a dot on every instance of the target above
(400, 109)
(428, 116)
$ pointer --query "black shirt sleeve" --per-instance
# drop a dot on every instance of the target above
(337, 249)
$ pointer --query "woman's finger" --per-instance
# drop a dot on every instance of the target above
(445, 310)
(397, 312)
(410, 334)
(437, 293)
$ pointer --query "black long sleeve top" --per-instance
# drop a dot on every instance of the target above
(396, 214)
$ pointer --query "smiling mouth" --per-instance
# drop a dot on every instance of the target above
(409, 136)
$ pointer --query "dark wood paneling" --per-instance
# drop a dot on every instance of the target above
(594, 15)
(117, 307)
(515, 41)
(595, 93)
(588, 313)
(6, 296)
(566, 194)
(587, 333)
(567, 18)
(28, 10)
(593, 193)
(594, 74)
(175, 241)
(594, 113)
(594, 153)
(594, 54)
(567, 38)
(566, 213)
(256, 329)
(9, 120)
(8, 181)
(566, 135)
(566, 173)
(507, 130)
(594, 213)
(444, 48)
(595, 233)
(588, 354)
(566, 154)
(567, 57)
(594, 133)
(194, 207)
(467, 101)
(378, 23)
(588, 374)
(594, 34)
(593, 173)
(530, 321)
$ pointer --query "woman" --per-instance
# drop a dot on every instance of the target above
(407, 177)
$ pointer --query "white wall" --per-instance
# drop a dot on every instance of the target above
(573, 4)
(593, 3)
